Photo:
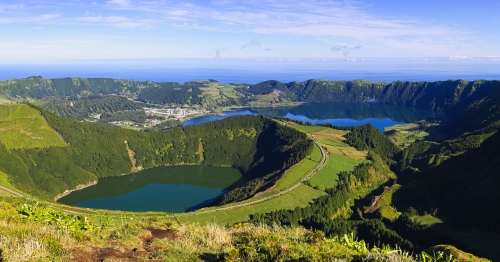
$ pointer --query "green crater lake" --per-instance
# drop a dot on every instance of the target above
(172, 189)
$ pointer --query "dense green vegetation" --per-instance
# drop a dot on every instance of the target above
(367, 137)
(259, 147)
(85, 107)
(172, 93)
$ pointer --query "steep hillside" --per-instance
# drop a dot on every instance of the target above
(460, 176)
(483, 113)
(259, 147)
(437, 96)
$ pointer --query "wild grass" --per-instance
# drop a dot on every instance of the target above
(39, 240)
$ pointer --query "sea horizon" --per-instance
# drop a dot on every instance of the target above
(255, 71)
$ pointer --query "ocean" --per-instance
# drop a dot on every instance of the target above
(255, 71)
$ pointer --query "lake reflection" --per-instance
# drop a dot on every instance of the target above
(170, 189)
(339, 114)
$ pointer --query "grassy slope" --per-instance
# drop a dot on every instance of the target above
(22, 127)
(4, 182)
(306, 129)
(293, 175)
(327, 177)
(301, 196)
(341, 157)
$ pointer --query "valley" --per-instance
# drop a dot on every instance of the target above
(392, 173)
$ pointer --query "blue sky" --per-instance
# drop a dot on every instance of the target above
(47, 31)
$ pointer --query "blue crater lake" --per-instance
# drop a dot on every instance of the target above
(172, 189)
(338, 114)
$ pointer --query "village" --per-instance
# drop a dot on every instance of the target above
(177, 113)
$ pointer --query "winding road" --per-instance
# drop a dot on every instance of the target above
(321, 164)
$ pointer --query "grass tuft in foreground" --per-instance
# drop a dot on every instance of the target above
(31, 232)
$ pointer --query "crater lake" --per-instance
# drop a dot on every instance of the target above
(172, 189)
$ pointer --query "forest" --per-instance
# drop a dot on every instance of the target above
(259, 147)
(84, 107)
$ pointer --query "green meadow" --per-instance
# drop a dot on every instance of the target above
(22, 127)
(327, 176)
(294, 174)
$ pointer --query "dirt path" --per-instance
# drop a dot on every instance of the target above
(11, 191)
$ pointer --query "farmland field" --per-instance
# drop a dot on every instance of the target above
(327, 176)
(294, 174)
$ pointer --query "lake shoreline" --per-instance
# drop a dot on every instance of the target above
(78, 187)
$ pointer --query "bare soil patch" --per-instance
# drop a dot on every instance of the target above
(163, 234)
(100, 254)
(117, 252)
(352, 152)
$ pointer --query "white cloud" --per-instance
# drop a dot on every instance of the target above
(4, 8)
(6, 21)
(45, 17)
(119, 3)
(116, 21)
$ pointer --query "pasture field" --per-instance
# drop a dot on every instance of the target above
(340, 157)
(305, 129)
(24, 127)
(299, 197)
(331, 133)
(265, 100)
(294, 174)
(327, 176)
(216, 94)
(406, 134)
